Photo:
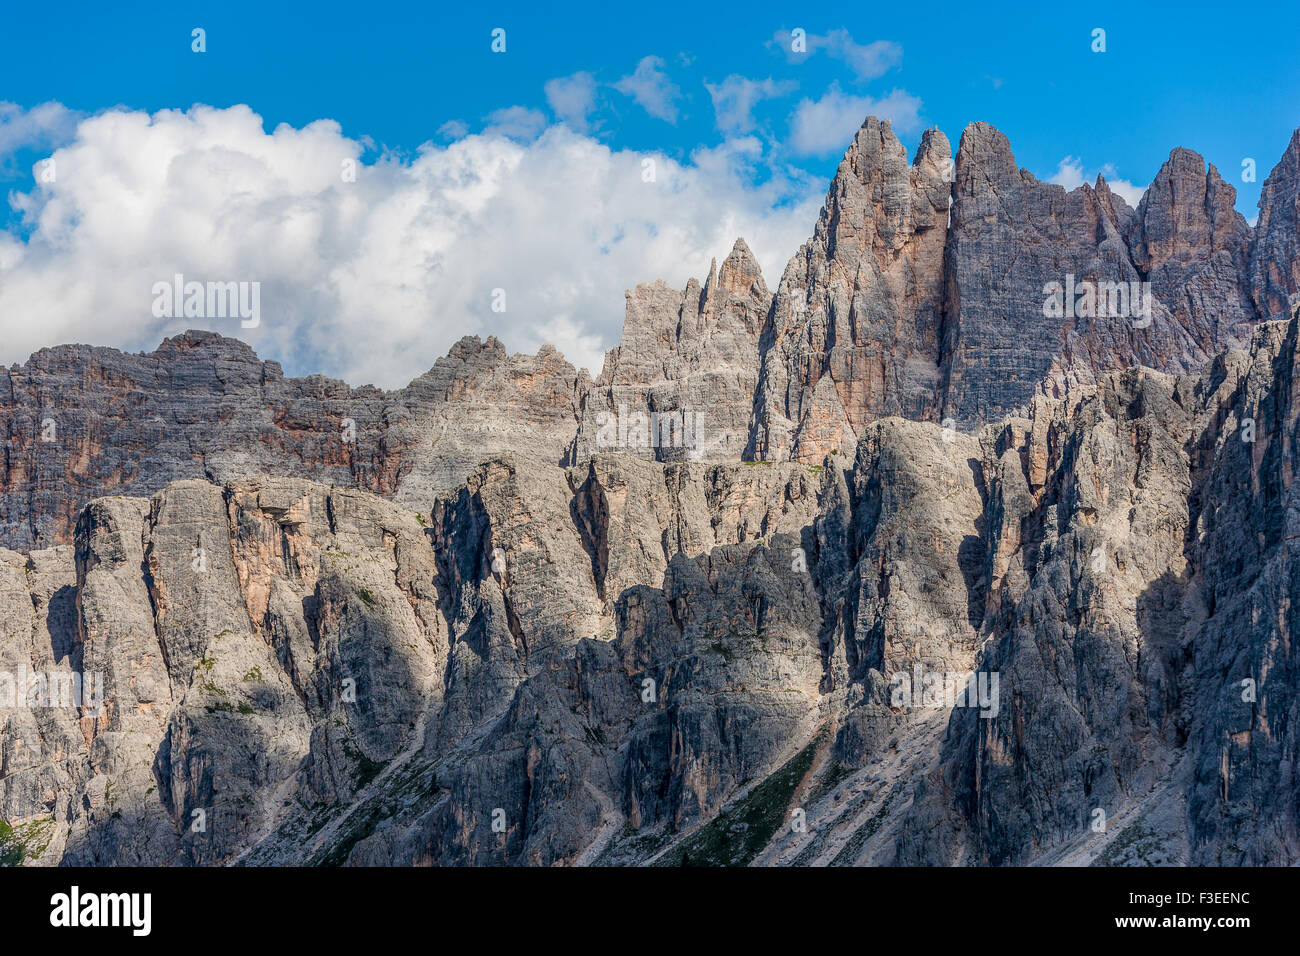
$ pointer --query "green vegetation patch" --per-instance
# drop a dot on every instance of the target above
(739, 833)
(849, 852)
(831, 777)
(26, 841)
(367, 769)
(223, 707)
(1135, 845)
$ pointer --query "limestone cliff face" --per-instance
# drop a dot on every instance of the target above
(1275, 272)
(1048, 288)
(475, 402)
(952, 289)
(1145, 628)
(1245, 617)
(281, 660)
(1189, 242)
(689, 359)
(81, 422)
(261, 634)
(618, 661)
(854, 334)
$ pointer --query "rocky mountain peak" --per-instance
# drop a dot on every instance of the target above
(740, 274)
(1187, 214)
(681, 383)
(920, 293)
(1275, 257)
(984, 157)
(193, 339)
(874, 138)
(855, 325)
(1117, 210)
(934, 150)
(1194, 248)
(1056, 469)
(470, 348)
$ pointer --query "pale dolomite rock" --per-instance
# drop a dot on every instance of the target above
(855, 329)
(691, 353)
(466, 633)
(921, 294)
(1275, 255)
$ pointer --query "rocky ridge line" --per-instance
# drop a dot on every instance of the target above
(920, 294)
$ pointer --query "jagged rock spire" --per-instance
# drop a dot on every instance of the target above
(1275, 258)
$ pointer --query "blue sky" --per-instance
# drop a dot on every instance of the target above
(401, 77)
(1187, 74)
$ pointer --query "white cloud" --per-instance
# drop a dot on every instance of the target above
(41, 126)
(821, 127)
(735, 97)
(866, 60)
(650, 86)
(515, 122)
(1130, 192)
(1070, 174)
(373, 280)
(572, 98)
(453, 129)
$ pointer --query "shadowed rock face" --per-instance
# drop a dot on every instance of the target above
(1145, 634)
(424, 644)
(607, 663)
(276, 653)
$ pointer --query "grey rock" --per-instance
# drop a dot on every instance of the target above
(81, 422)
(690, 359)
(1275, 272)
(433, 644)
(855, 329)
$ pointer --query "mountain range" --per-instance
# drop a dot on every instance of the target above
(975, 541)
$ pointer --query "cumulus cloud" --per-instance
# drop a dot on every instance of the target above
(572, 98)
(824, 126)
(371, 278)
(453, 129)
(515, 122)
(36, 128)
(866, 60)
(735, 97)
(651, 88)
(1070, 174)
